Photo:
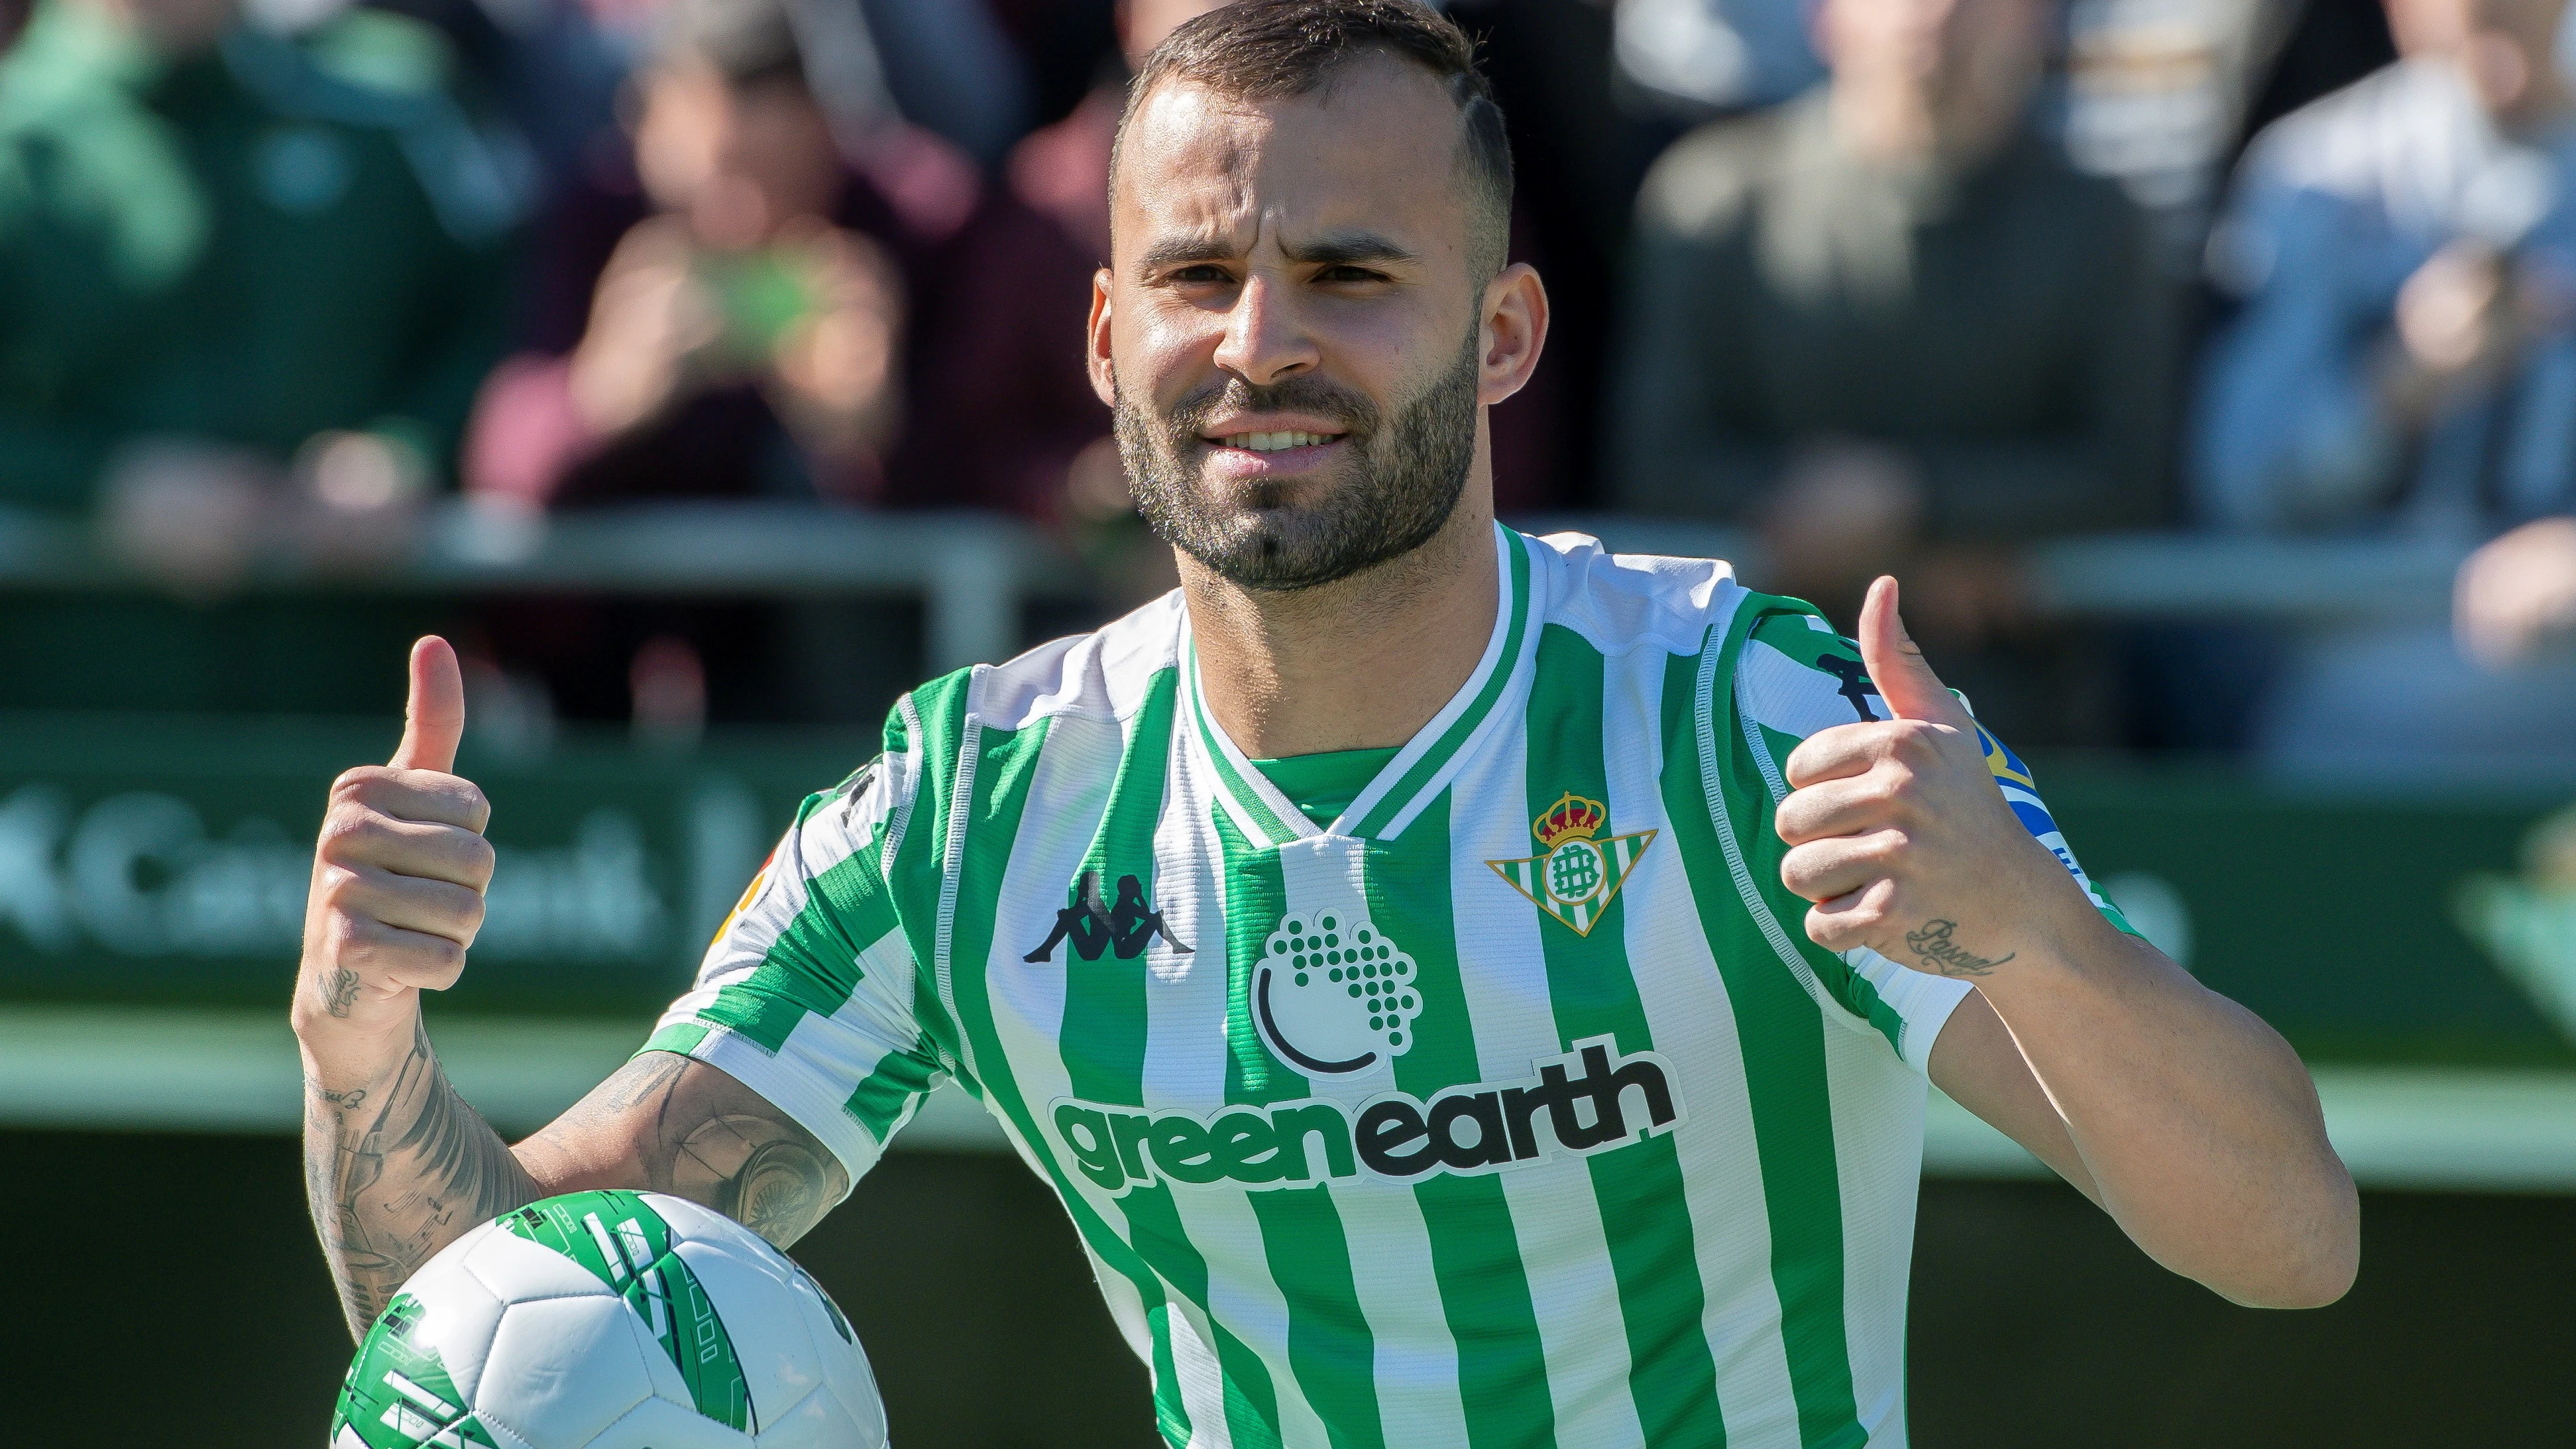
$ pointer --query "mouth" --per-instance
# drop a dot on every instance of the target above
(1275, 442)
(1270, 454)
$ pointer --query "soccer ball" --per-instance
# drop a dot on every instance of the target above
(610, 1320)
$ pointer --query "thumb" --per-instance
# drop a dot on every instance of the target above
(1896, 665)
(434, 716)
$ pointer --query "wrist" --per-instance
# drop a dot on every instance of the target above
(2055, 940)
(2034, 917)
(356, 1048)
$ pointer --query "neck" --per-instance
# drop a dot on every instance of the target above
(1360, 663)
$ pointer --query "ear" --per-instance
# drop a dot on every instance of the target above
(1096, 357)
(1512, 334)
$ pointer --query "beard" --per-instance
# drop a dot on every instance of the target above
(1396, 488)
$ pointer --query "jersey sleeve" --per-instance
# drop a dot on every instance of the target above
(806, 993)
(1794, 677)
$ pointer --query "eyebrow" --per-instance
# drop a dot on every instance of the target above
(1340, 249)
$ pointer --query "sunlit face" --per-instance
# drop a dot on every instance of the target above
(738, 161)
(1288, 330)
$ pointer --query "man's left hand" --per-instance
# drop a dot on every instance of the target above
(1899, 835)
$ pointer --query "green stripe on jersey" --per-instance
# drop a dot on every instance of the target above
(915, 875)
(1004, 763)
(1330, 1346)
(1103, 1036)
(1475, 1253)
(1781, 1032)
(1645, 1213)
(1256, 897)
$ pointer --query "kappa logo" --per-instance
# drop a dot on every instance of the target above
(1124, 930)
(1331, 995)
(1579, 876)
(1856, 685)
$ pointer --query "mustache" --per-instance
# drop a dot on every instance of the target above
(1315, 395)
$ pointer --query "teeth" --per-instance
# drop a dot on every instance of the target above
(1274, 442)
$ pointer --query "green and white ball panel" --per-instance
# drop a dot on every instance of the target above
(610, 1320)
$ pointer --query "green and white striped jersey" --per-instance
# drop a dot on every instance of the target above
(1512, 1107)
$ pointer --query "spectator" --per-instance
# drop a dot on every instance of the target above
(247, 283)
(1890, 326)
(745, 340)
(742, 341)
(2405, 362)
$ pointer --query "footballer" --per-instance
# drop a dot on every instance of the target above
(1466, 988)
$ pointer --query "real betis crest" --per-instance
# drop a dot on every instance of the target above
(1578, 877)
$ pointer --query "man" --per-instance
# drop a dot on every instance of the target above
(1388, 945)
(2405, 363)
(1892, 326)
(744, 339)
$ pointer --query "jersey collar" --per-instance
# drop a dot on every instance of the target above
(1426, 764)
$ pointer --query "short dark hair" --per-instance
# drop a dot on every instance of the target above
(1263, 50)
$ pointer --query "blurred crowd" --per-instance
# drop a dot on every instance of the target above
(1889, 285)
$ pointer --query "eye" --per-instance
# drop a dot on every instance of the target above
(1201, 274)
(1346, 274)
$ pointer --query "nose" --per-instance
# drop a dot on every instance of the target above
(1265, 340)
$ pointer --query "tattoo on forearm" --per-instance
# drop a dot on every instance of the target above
(1947, 956)
(397, 1170)
(644, 1079)
(778, 1186)
(391, 1186)
(717, 1142)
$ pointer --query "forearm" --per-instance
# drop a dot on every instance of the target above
(396, 1167)
(2197, 1126)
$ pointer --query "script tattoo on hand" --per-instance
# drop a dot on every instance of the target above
(340, 992)
(395, 1175)
(1946, 956)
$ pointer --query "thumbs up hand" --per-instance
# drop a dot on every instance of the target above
(399, 874)
(1899, 835)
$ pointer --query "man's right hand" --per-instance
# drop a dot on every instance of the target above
(396, 1165)
(398, 881)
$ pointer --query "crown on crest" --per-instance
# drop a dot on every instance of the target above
(1570, 817)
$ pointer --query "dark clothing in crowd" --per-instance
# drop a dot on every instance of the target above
(249, 246)
(2006, 328)
(1006, 398)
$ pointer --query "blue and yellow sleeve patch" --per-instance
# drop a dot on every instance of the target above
(2005, 765)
